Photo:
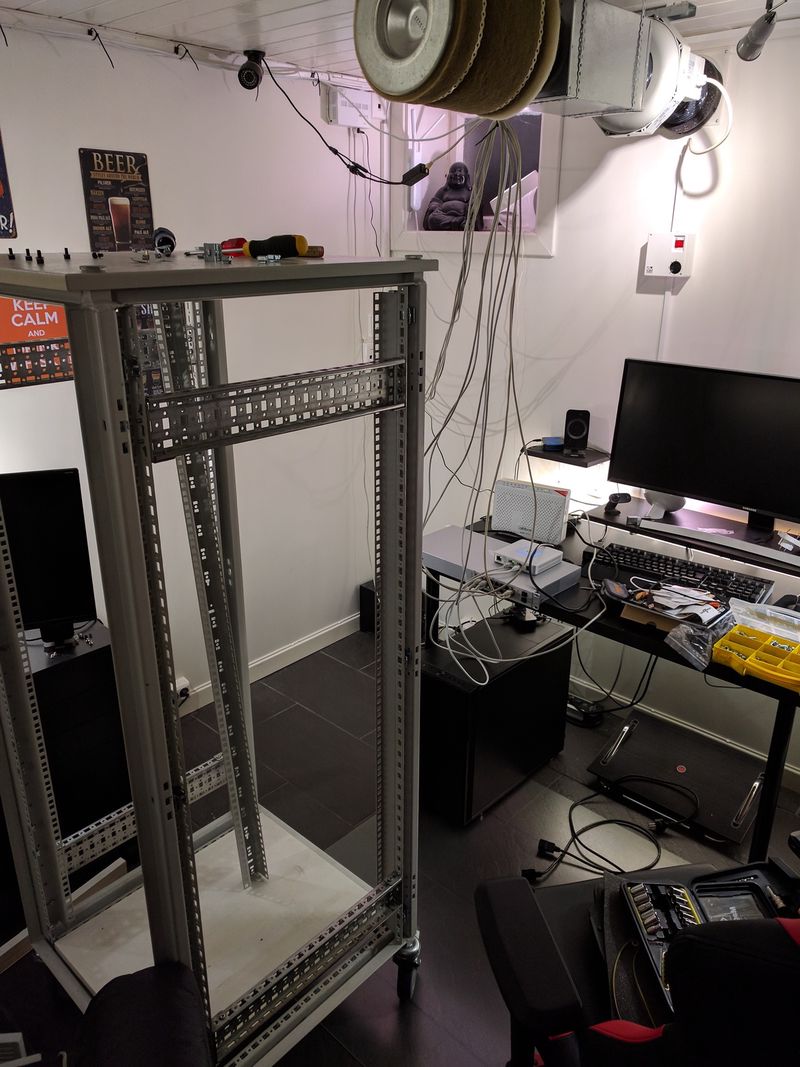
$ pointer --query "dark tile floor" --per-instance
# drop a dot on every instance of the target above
(314, 738)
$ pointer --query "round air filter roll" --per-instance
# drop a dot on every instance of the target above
(480, 57)
(545, 59)
(412, 51)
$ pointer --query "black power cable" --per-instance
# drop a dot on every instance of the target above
(582, 856)
(409, 178)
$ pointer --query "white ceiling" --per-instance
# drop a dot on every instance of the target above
(314, 34)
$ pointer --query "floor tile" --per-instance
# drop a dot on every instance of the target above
(357, 851)
(580, 748)
(456, 986)
(341, 694)
(320, 1049)
(336, 769)
(357, 650)
(375, 1029)
(268, 780)
(200, 742)
(209, 808)
(207, 714)
(266, 701)
(458, 859)
(306, 815)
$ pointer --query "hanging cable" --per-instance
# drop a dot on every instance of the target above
(186, 53)
(355, 168)
(95, 36)
(369, 191)
(726, 96)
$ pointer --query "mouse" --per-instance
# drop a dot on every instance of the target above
(789, 601)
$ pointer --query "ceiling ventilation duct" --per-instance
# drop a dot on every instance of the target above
(632, 73)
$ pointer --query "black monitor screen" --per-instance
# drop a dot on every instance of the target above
(727, 437)
(49, 554)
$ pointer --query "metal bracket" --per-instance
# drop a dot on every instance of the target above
(193, 419)
(673, 12)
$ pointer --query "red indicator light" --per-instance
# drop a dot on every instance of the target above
(679, 242)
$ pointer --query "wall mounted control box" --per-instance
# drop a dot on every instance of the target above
(669, 255)
(343, 106)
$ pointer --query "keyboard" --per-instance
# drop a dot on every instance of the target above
(622, 562)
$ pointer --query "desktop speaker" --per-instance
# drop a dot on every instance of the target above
(576, 431)
(536, 512)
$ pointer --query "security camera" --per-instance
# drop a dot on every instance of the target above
(251, 71)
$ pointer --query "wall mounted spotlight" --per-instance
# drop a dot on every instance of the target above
(749, 47)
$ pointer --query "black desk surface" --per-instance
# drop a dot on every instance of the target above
(737, 541)
(571, 607)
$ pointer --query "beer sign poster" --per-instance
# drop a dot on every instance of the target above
(116, 188)
(8, 225)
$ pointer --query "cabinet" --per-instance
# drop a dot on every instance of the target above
(478, 742)
(275, 931)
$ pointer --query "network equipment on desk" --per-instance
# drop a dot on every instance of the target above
(622, 562)
(538, 512)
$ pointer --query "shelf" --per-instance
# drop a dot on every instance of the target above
(590, 457)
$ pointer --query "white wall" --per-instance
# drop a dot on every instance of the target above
(579, 315)
(222, 164)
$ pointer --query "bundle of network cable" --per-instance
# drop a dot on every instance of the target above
(487, 382)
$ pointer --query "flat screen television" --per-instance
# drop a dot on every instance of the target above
(722, 436)
(46, 532)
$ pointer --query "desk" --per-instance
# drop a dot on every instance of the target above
(571, 609)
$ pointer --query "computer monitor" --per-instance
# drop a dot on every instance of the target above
(46, 534)
(722, 436)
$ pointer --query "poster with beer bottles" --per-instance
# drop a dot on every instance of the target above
(34, 343)
(116, 189)
(8, 225)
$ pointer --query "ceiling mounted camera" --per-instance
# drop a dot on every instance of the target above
(252, 71)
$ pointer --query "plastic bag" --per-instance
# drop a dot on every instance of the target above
(695, 643)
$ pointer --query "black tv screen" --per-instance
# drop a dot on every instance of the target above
(46, 533)
(727, 437)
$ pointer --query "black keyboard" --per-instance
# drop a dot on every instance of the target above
(623, 563)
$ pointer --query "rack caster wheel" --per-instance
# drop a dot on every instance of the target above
(408, 959)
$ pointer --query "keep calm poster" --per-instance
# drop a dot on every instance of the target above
(116, 188)
(8, 225)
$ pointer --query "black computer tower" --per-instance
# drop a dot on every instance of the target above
(480, 742)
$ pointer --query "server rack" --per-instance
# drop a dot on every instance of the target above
(127, 430)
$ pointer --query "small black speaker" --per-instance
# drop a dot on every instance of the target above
(576, 431)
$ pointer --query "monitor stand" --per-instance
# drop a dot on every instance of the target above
(662, 504)
(708, 532)
(758, 522)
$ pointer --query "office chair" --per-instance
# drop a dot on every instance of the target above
(154, 1017)
(735, 985)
